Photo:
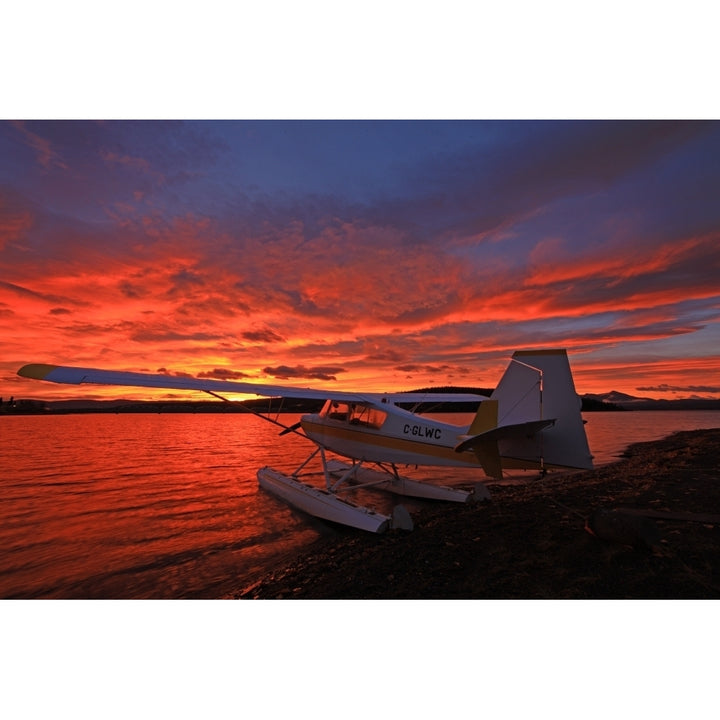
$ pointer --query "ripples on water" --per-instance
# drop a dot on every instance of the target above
(167, 506)
(138, 505)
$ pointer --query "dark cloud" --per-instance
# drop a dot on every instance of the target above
(173, 373)
(530, 166)
(130, 156)
(285, 372)
(45, 297)
(385, 356)
(663, 388)
(186, 277)
(223, 374)
(414, 368)
(185, 282)
(132, 290)
(152, 335)
(211, 307)
(262, 336)
(16, 218)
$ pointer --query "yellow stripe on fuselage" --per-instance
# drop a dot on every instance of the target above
(392, 443)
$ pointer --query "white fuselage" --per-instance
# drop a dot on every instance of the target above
(386, 433)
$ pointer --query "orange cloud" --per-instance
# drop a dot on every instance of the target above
(134, 266)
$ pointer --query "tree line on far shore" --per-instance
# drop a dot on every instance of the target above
(272, 405)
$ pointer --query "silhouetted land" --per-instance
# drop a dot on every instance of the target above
(612, 401)
(656, 517)
(274, 405)
(68, 407)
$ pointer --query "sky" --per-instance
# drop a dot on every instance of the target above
(364, 255)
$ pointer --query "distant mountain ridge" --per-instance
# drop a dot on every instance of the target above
(591, 402)
(630, 402)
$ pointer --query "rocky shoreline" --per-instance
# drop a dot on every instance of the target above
(645, 527)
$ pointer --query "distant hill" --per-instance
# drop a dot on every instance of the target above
(614, 396)
(603, 402)
(629, 402)
(590, 404)
(66, 407)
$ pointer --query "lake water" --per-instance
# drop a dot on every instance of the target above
(168, 506)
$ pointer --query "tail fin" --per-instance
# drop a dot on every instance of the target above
(538, 386)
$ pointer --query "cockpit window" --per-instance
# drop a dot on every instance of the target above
(354, 414)
(368, 416)
(335, 410)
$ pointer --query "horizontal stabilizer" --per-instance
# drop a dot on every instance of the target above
(506, 432)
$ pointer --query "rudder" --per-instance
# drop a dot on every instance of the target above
(538, 385)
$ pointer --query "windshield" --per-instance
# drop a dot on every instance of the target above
(354, 414)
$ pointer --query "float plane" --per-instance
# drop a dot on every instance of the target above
(531, 420)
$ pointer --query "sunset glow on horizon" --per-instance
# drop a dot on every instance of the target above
(370, 255)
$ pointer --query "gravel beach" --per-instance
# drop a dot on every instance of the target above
(645, 527)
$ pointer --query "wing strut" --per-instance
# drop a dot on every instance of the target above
(285, 428)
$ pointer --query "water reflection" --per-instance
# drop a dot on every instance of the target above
(168, 505)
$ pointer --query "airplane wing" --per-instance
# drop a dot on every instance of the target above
(78, 375)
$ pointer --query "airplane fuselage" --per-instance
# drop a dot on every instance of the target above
(386, 434)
